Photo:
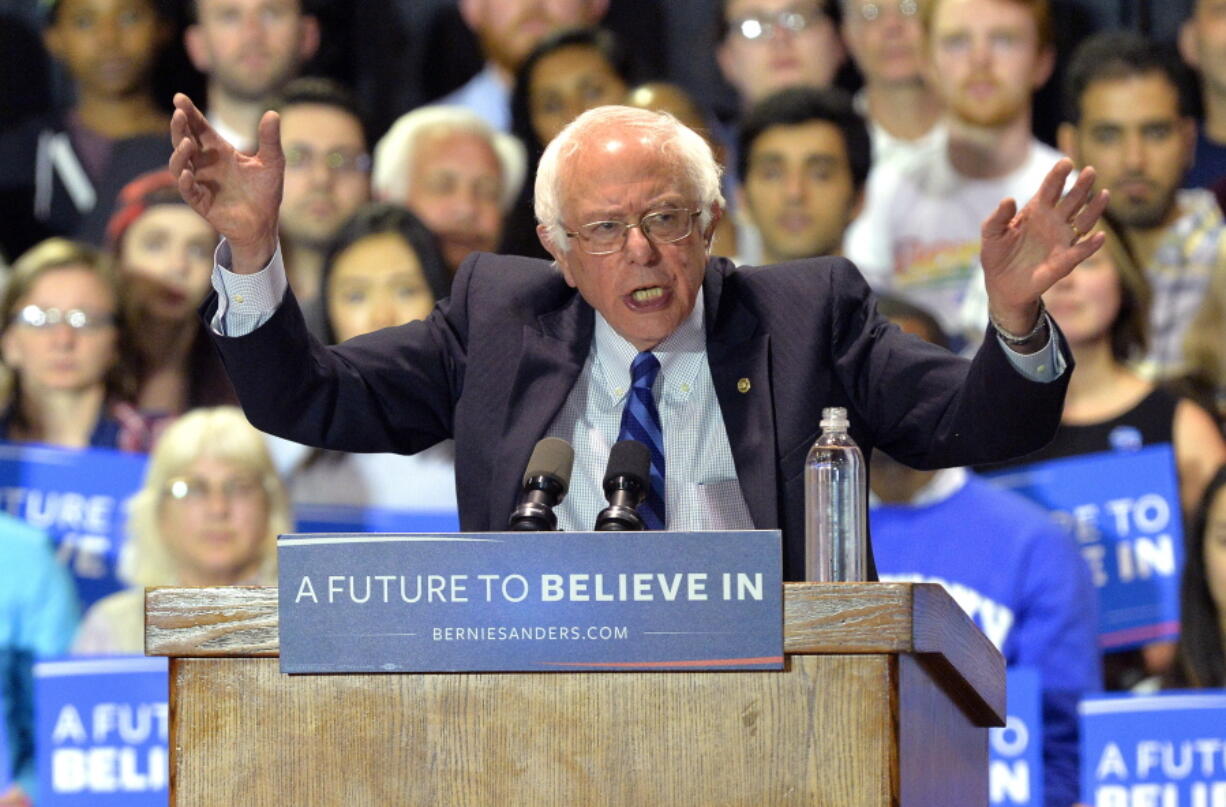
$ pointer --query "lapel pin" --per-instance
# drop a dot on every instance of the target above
(743, 386)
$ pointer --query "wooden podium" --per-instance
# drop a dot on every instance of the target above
(885, 700)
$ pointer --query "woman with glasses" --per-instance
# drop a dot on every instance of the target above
(63, 338)
(163, 254)
(209, 514)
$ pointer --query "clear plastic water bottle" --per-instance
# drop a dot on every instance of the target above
(836, 546)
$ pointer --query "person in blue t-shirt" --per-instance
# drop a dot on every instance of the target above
(1016, 573)
(38, 616)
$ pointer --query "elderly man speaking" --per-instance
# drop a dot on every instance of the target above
(732, 365)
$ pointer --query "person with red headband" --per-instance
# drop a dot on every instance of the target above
(163, 255)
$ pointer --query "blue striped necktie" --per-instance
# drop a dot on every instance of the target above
(641, 421)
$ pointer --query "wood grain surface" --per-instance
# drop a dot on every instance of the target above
(821, 733)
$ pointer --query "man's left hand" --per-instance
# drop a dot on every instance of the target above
(1024, 252)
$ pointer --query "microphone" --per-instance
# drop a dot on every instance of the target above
(625, 486)
(545, 484)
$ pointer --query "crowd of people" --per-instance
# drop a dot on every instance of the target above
(885, 132)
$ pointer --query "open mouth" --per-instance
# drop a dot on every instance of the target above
(648, 298)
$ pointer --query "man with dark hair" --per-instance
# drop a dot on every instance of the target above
(764, 46)
(986, 58)
(248, 49)
(1129, 117)
(327, 174)
(804, 158)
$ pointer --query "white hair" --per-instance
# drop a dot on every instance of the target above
(681, 145)
(394, 151)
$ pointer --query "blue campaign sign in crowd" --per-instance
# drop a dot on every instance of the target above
(1015, 751)
(1165, 750)
(347, 519)
(103, 727)
(1124, 511)
(76, 496)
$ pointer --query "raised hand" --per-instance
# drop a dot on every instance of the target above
(1024, 252)
(239, 194)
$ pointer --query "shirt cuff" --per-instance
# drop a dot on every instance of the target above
(1046, 364)
(245, 302)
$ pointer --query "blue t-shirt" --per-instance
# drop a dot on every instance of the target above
(1022, 580)
(38, 616)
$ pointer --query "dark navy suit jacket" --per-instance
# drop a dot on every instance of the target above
(494, 363)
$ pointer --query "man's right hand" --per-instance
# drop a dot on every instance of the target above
(239, 194)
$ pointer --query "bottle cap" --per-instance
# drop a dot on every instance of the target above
(834, 419)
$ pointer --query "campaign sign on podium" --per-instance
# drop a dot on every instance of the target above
(531, 601)
(1165, 750)
(102, 731)
(1123, 509)
(78, 497)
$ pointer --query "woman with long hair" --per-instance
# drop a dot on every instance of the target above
(64, 337)
(163, 253)
(383, 268)
(1101, 310)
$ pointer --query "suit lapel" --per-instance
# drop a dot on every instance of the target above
(553, 355)
(738, 352)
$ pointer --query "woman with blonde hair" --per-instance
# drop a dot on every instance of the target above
(63, 339)
(208, 514)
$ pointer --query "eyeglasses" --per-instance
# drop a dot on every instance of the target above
(767, 26)
(194, 490)
(873, 11)
(336, 161)
(33, 316)
(661, 227)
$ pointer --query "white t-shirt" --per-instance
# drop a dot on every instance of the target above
(891, 155)
(921, 227)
